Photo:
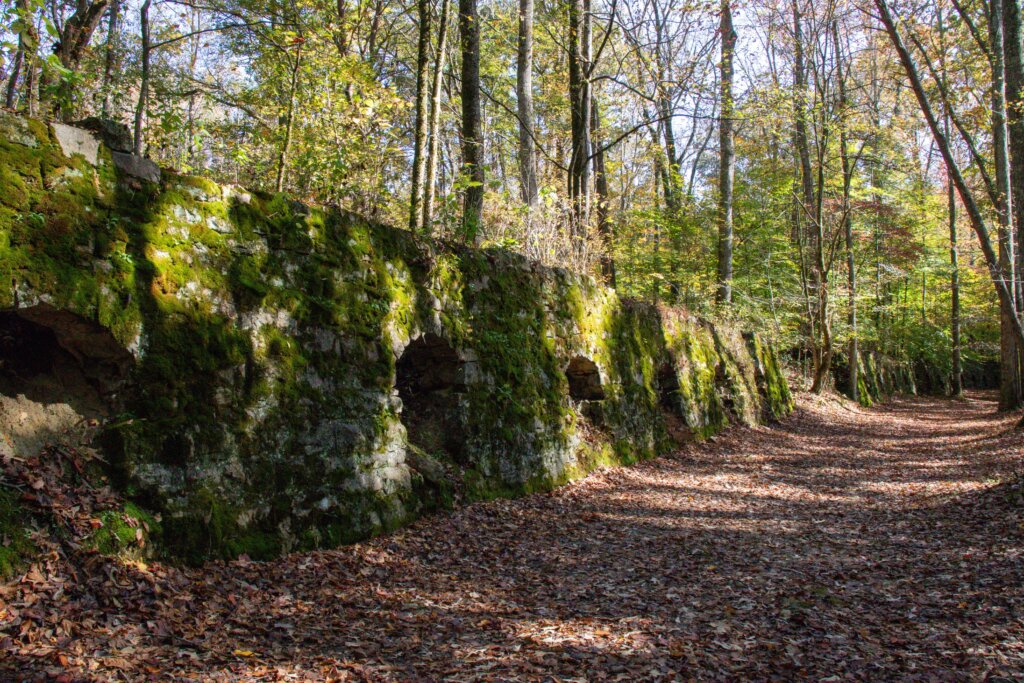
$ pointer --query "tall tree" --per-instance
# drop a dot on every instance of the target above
(435, 116)
(601, 189)
(727, 156)
(1011, 395)
(289, 116)
(580, 46)
(957, 379)
(25, 58)
(663, 48)
(807, 220)
(524, 103)
(1013, 65)
(800, 140)
(472, 133)
(956, 360)
(848, 168)
(419, 159)
(143, 101)
(111, 59)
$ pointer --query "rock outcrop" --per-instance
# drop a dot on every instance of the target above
(277, 376)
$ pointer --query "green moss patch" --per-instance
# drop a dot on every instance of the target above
(262, 414)
(129, 531)
(16, 550)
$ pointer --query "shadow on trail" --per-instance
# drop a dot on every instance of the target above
(865, 544)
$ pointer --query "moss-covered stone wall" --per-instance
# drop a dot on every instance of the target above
(879, 376)
(262, 413)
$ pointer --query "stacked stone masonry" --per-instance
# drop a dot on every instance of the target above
(274, 376)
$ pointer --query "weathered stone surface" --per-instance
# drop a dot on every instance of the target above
(16, 129)
(74, 140)
(303, 377)
(114, 134)
(136, 166)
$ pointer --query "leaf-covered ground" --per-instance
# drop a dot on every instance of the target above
(844, 544)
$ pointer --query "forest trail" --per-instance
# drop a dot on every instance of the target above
(844, 544)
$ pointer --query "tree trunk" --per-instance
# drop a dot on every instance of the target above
(956, 379)
(804, 225)
(524, 102)
(821, 268)
(851, 274)
(341, 39)
(371, 40)
(110, 62)
(419, 159)
(435, 118)
(851, 269)
(1010, 395)
(579, 102)
(15, 71)
(12, 83)
(663, 141)
(192, 161)
(727, 158)
(26, 60)
(1013, 51)
(800, 112)
(956, 383)
(823, 355)
(673, 186)
(140, 107)
(78, 31)
(289, 126)
(472, 134)
(75, 37)
(671, 179)
(604, 228)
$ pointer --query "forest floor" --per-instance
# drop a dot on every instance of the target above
(843, 544)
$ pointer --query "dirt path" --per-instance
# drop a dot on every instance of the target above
(845, 544)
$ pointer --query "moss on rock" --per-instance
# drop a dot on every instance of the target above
(16, 550)
(879, 377)
(263, 414)
(129, 531)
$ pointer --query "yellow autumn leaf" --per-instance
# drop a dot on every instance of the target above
(244, 653)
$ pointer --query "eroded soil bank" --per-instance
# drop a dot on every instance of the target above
(843, 544)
